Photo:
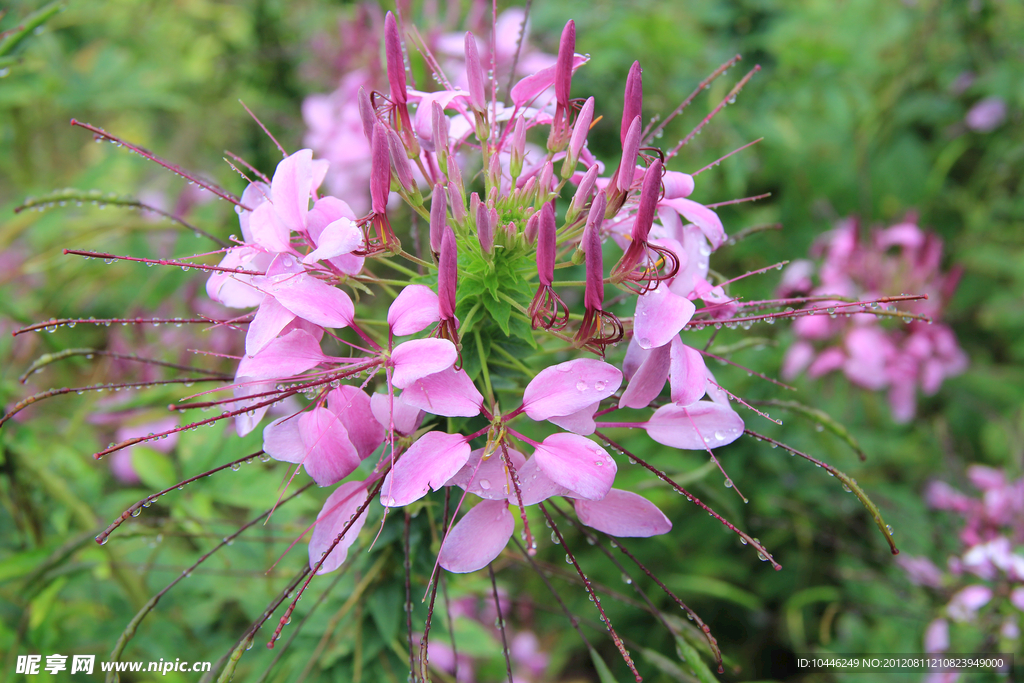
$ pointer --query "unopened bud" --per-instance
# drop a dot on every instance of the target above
(438, 218)
(546, 181)
(484, 226)
(532, 228)
(630, 148)
(475, 76)
(579, 137)
(518, 151)
(582, 196)
(634, 99)
(563, 65)
(366, 113)
(447, 275)
(400, 160)
(439, 133)
(395, 60)
(546, 245)
(380, 169)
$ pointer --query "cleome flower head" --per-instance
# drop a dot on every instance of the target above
(498, 357)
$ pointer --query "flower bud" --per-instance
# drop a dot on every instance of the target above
(532, 228)
(395, 61)
(579, 137)
(475, 76)
(634, 99)
(546, 181)
(380, 169)
(484, 225)
(366, 113)
(438, 218)
(447, 274)
(630, 148)
(518, 151)
(582, 196)
(546, 246)
(563, 65)
(439, 133)
(400, 160)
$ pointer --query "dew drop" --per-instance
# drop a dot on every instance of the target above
(136, 512)
(235, 467)
(581, 386)
(485, 485)
(728, 483)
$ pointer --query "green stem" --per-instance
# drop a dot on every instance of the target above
(483, 366)
(515, 362)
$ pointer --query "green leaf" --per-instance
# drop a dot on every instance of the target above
(500, 311)
(688, 654)
(715, 587)
(520, 328)
(604, 674)
(154, 468)
(666, 666)
(385, 605)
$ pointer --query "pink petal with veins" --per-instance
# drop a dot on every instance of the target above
(581, 422)
(701, 216)
(332, 520)
(489, 479)
(688, 373)
(419, 358)
(352, 406)
(634, 358)
(246, 386)
(340, 237)
(649, 379)
(312, 299)
(330, 455)
(285, 356)
(569, 387)
(290, 189)
(268, 231)
(535, 486)
(660, 315)
(428, 464)
(270, 319)
(282, 440)
(623, 514)
(577, 463)
(405, 417)
(414, 309)
(677, 184)
(254, 195)
(450, 393)
(695, 427)
(478, 538)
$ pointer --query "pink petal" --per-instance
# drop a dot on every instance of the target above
(569, 387)
(478, 538)
(267, 229)
(660, 315)
(419, 358)
(577, 463)
(531, 86)
(428, 464)
(254, 195)
(319, 168)
(285, 356)
(290, 189)
(695, 427)
(388, 411)
(312, 299)
(688, 372)
(677, 184)
(623, 514)
(413, 310)
(352, 406)
(936, 636)
(332, 520)
(282, 440)
(450, 393)
(535, 486)
(330, 455)
(490, 478)
(247, 386)
(634, 358)
(796, 360)
(649, 379)
(581, 422)
(701, 216)
(270, 319)
(340, 237)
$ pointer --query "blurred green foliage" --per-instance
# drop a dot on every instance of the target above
(861, 107)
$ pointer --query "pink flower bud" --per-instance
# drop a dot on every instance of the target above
(579, 137)
(484, 226)
(447, 274)
(395, 60)
(634, 99)
(518, 150)
(546, 180)
(546, 247)
(593, 295)
(630, 148)
(400, 159)
(366, 113)
(475, 75)
(532, 228)
(438, 127)
(582, 196)
(438, 216)
(563, 67)
(380, 169)
(648, 202)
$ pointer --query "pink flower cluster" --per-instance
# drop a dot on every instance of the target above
(993, 542)
(892, 261)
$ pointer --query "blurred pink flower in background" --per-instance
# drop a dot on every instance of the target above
(885, 262)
